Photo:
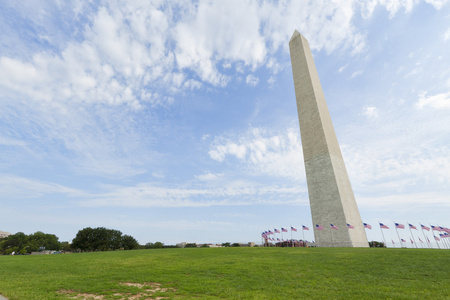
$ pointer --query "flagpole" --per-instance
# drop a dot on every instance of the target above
(434, 237)
(444, 240)
(292, 239)
(412, 235)
(424, 235)
(384, 241)
(303, 232)
(332, 240)
(401, 243)
(437, 242)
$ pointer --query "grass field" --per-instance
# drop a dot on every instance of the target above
(230, 273)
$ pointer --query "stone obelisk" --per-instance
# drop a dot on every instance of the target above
(330, 193)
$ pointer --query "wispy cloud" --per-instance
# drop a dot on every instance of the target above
(370, 112)
(15, 187)
(251, 80)
(263, 152)
(232, 193)
(439, 101)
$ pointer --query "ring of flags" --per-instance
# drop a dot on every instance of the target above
(442, 234)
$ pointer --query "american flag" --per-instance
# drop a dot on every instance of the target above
(350, 226)
(434, 228)
(420, 240)
(383, 226)
(411, 241)
(270, 232)
(319, 227)
(306, 228)
(399, 226)
(403, 241)
(436, 238)
(283, 229)
(333, 227)
(276, 231)
(428, 239)
(367, 226)
(425, 227)
(293, 229)
(411, 226)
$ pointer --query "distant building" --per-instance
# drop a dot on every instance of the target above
(181, 245)
(4, 234)
(249, 244)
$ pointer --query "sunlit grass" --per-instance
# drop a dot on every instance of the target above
(232, 273)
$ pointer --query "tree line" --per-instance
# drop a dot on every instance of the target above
(87, 239)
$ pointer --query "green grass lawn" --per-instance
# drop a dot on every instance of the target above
(231, 273)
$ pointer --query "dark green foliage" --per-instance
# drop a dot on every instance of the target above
(375, 244)
(129, 242)
(20, 243)
(102, 239)
(171, 246)
(157, 245)
(191, 245)
(235, 245)
(227, 244)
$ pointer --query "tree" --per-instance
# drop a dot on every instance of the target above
(14, 243)
(235, 245)
(129, 243)
(21, 243)
(39, 240)
(102, 239)
(375, 244)
(227, 244)
(156, 245)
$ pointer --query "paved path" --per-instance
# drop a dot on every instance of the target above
(3, 298)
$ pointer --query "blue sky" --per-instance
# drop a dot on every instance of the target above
(176, 121)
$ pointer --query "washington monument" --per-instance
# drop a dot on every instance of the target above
(330, 193)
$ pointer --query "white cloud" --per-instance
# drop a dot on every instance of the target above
(356, 74)
(341, 69)
(447, 35)
(7, 141)
(391, 202)
(370, 112)
(438, 4)
(208, 177)
(439, 101)
(251, 80)
(221, 151)
(392, 6)
(231, 193)
(15, 187)
(264, 153)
